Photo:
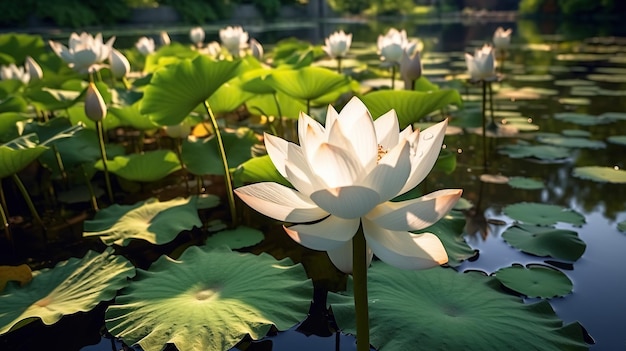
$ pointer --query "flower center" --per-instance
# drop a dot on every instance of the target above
(381, 152)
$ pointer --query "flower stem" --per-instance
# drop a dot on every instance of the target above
(393, 76)
(359, 276)
(339, 64)
(227, 180)
(29, 201)
(484, 118)
(4, 215)
(492, 125)
(92, 194)
(179, 153)
(103, 155)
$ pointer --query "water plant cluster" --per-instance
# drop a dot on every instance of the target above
(154, 148)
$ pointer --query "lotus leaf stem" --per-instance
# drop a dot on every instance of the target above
(92, 194)
(359, 277)
(339, 64)
(103, 155)
(179, 153)
(57, 157)
(484, 118)
(280, 115)
(229, 184)
(29, 201)
(492, 123)
(4, 215)
(393, 76)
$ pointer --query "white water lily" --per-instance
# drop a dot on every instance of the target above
(145, 45)
(13, 71)
(338, 44)
(120, 66)
(256, 49)
(393, 44)
(410, 69)
(85, 53)
(32, 67)
(344, 175)
(196, 35)
(482, 66)
(502, 38)
(234, 39)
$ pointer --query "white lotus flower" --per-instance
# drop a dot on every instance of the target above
(85, 53)
(502, 38)
(234, 39)
(196, 35)
(145, 45)
(120, 66)
(344, 175)
(393, 44)
(32, 67)
(338, 44)
(14, 72)
(482, 66)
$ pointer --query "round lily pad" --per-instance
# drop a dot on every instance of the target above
(437, 309)
(525, 183)
(146, 167)
(522, 124)
(541, 152)
(572, 142)
(75, 285)
(237, 238)
(545, 241)
(579, 133)
(542, 214)
(617, 139)
(601, 174)
(209, 300)
(583, 119)
(535, 280)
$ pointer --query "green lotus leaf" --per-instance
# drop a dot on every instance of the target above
(617, 139)
(308, 83)
(153, 221)
(575, 101)
(535, 280)
(621, 226)
(8, 125)
(255, 81)
(146, 167)
(572, 142)
(229, 97)
(175, 90)
(53, 130)
(168, 54)
(449, 229)
(52, 99)
(583, 119)
(573, 82)
(258, 169)
(543, 214)
(10, 87)
(18, 46)
(410, 106)
(201, 156)
(130, 116)
(237, 238)
(209, 300)
(13, 104)
(545, 241)
(601, 174)
(579, 133)
(281, 104)
(75, 285)
(533, 77)
(525, 183)
(19, 153)
(438, 309)
(542, 152)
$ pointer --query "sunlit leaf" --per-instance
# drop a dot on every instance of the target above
(542, 214)
(130, 116)
(201, 156)
(13, 160)
(522, 124)
(153, 221)
(8, 125)
(281, 104)
(542, 152)
(168, 54)
(545, 241)
(308, 83)
(229, 97)
(21, 274)
(258, 169)
(525, 183)
(77, 115)
(19, 45)
(146, 167)
(438, 309)
(535, 280)
(75, 285)
(410, 106)
(601, 174)
(209, 300)
(177, 89)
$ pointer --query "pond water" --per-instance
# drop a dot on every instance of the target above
(551, 68)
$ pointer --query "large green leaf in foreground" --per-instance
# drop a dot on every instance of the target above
(75, 285)
(177, 89)
(208, 300)
(156, 222)
(440, 309)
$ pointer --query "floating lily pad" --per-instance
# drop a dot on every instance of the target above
(535, 281)
(75, 285)
(437, 309)
(545, 241)
(576, 133)
(621, 226)
(542, 152)
(583, 119)
(525, 183)
(615, 115)
(522, 124)
(209, 300)
(237, 238)
(543, 214)
(573, 82)
(601, 174)
(533, 77)
(153, 221)
(572, 142)
(146, 167)
(575, 101)
(608, 78)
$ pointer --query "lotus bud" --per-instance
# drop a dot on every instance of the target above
(145, 45)
(410, 69)
(164, 38)
(95, 108)
(482, 66)
(257, 49)
(119, 64)
(196, 35)
(337, 44)
(33, 69)
(502, 38)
